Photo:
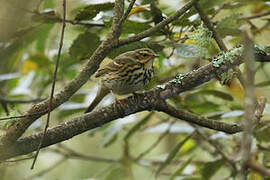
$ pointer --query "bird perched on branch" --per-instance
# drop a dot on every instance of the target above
(127, 73)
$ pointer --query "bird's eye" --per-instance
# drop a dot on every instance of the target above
(144, 55)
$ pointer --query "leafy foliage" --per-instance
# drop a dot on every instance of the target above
(30, 34)
(229, 26)
(211, 168)
(92, 10)
(172, 154)
(84, 45)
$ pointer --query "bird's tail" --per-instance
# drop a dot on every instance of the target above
(102, 91)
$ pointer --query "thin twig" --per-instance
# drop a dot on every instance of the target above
(59, 19)
(255, 16)
(159, 26)
(219, 41)
(73, 154)
(218, 149)
(252, 164)
(210, 26)
(53, 84)
(21, 101)
(263, 148)
(124, 17)
(144, 101)
(23, 116)
(16, 130)
(17, 160)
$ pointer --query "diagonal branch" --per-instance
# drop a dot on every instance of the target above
(36, 111)
(210, 26)
(217, 38)
(124, 17)
(130, 105)
(199, 120)
(159, 26)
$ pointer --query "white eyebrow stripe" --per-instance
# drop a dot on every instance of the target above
(146, 52)
(115, 63)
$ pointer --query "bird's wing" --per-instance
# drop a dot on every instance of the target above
(115, 65)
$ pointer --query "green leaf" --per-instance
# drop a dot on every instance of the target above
(111, 133)
(78, 98)
(184, 20)
(138, 125)
(156, 13)
(92, 10)
(131, 26)
(13, 52)
(84, 45)
(134, 27)
(118, 173)
(48, 4)
(208, 6)
(210, 168)
(66, 113)
(192, 178)
(136, 45)
(47, 16)
(229, 26)
(180, 169)
(189, 51)
(67, 66)
(172, 154)
(40, 59)
(262, 133)
(42, 39)
(205, 107)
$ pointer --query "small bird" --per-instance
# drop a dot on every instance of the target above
(127, 73)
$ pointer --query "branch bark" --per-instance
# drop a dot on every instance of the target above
(199, 120)
(36, 111)
(148, 100)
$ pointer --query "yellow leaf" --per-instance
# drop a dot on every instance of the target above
(187, 146)
(254, 176)
(28, 66)
(191, 41)
(156, 64)
(236, 89)
(137, 10)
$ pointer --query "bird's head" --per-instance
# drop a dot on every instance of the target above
(144, 55)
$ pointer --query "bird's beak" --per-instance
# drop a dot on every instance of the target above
(155, 55)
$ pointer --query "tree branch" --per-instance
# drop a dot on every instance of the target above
(199, 120)
(210, 26)
(258, 168)
(217, 38)
(159, 26)
(36, 111)
(145, 101)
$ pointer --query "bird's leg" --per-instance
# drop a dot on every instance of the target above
(115, 98)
